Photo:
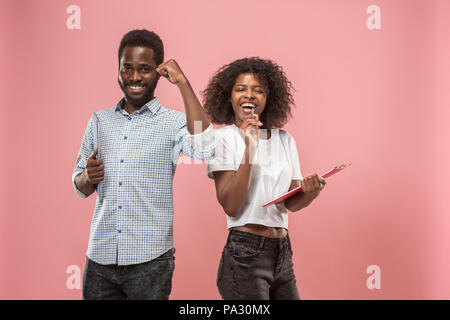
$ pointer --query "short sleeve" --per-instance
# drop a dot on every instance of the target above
(224, 158)
(295, 163)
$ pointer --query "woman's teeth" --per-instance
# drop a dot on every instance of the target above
(247, 105)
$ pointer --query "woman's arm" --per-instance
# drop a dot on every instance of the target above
(311, 187)
(232, 186)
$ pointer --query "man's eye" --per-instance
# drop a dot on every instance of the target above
(146, 70)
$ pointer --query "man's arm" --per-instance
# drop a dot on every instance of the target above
(194, 110)
(86, 182)
(82, 184)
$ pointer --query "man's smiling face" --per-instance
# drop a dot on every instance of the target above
(137, 75)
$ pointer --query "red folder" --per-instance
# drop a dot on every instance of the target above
(298, 189)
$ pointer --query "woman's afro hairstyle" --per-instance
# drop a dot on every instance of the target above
(217, 94)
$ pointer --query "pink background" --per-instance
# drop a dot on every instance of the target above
(377, 98)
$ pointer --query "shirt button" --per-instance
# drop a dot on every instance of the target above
(120, 183)
(121, 160)
(120, 207)
(125, 138)
(119, 231)
(129, 118)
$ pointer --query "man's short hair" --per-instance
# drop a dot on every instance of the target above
(146, 39)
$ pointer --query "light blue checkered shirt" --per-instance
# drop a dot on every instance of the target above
(133, 222)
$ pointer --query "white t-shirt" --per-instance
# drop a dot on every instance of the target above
(275, 165)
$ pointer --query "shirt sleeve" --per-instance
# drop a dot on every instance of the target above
(296, 173)
(199, 146)
(224, 157)
(87, 146)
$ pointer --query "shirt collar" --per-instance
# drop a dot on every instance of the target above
(153, 106)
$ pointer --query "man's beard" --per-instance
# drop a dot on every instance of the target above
(139, 101)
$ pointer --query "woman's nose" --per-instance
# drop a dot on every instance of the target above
(249, 94)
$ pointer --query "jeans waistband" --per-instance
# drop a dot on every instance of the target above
(259, 241)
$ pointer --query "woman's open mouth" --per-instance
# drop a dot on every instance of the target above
(248, 107)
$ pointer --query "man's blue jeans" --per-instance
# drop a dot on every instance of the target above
(151, 280)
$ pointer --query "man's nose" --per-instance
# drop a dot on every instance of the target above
(135, 76)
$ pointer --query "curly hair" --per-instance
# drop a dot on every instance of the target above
(216, 96)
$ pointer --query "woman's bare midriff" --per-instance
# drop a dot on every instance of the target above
(260, 230)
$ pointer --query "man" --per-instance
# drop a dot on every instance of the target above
(130, 252)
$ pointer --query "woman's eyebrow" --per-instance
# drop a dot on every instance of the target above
(253, 86)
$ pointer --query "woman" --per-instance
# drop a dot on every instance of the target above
(255, 163)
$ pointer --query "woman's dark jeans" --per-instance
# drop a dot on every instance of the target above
(254, 267)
